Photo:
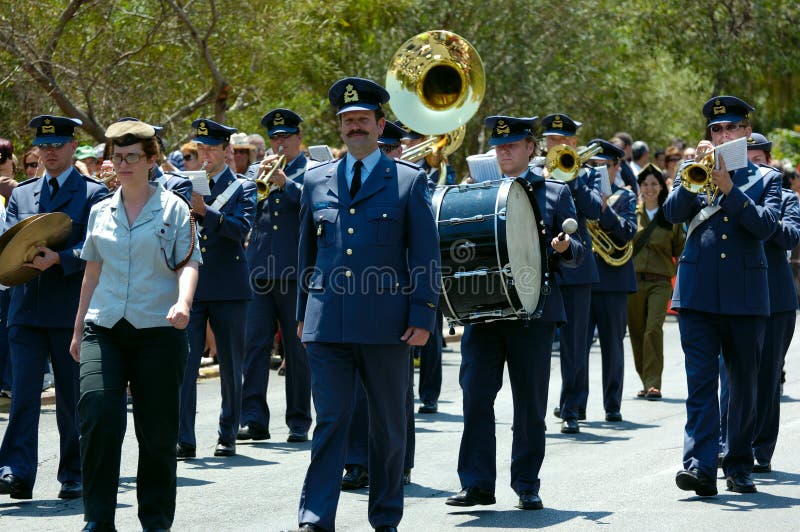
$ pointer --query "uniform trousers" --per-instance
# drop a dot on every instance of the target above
(485, 349)
(384, 371)
(358, 434)
(275, 300)
(30, 349)
(430, 364)
(740, 339)
(647, 310)
(153, 361)
(778, 337)
(610, 314)
(5, 354)
(573, 346)
(227, 320)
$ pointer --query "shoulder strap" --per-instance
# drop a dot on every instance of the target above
(642, 240)
(223, 198)
(193, 230)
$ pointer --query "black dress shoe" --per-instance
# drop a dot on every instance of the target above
(471, 497)
(740, 483)
(71, 489)
(613, 417)
(557, 412)
(185, 451)
(253, 431)
(570, 426)
(694, 480)
(355, 478)
(762, 467)
(99, 526)
(429, 407)
(12, 486)
(306, 527)
(528, 500)
(225, 449)
(406, 477)
(297, 436)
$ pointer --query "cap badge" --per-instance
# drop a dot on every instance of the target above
(751, 140)
(48, 129)
(719, 109)
(278, 120)
(350, 94)
(502, 128)
(202, 129)
(557, 123)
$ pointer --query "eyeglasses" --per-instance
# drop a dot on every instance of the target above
(52, 146)
(189, 157)
(716, 128)
(130, 158)
(34, 164)
(277, 136)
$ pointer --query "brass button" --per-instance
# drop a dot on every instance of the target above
(350, 231)
(274, 227)
(276, 213)
(724, 237)
(348, 273)
(203, 250)
(349, 251)
(385, 215)
(722, 255)
(237, 257)
(352, 211)
(205, 237)
(724, 218)
(277, 200)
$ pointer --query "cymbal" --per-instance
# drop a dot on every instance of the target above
(6, 237)
(51, 230)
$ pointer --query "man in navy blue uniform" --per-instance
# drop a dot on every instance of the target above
(781, 322)
(575, 283)
(609, 301)
(272, 257)
(722, 295)
(524, 345)
(369, 261)
(42, 312)
(224, 218)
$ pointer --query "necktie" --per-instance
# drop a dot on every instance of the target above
(211, 184)
(53, 187)
(355, 186)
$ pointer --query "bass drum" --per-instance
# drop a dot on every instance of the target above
(494, 261)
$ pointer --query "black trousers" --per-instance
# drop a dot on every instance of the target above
(153, 361)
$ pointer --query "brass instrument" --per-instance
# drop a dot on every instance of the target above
(696, 177)
(563, 162)
(264, 185)
(436, 83)
(605, 246)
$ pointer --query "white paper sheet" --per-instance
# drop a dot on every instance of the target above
(483, 167)
(734, 153)
(199, 180)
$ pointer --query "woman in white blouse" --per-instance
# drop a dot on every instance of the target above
(141, 270)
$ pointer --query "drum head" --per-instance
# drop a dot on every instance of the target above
(524, 252)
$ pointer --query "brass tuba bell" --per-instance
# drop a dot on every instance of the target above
(436, 84)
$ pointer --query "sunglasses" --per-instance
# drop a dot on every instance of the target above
(716, 128)
(277, 136)
(52, 145)
(189, 157)
(34, 164)
(130, 158)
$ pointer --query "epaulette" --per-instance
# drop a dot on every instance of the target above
(182, 197)
(29, 181)
(407, 163)
(91, 179)
(316, 164)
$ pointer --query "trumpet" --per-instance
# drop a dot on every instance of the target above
(563, 162)
(605, 246)
(264, 185)
(696, 177)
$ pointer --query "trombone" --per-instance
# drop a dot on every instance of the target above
(563, 162)
(264, 184)
(605, 246)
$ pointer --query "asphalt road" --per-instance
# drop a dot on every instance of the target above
(616, 476)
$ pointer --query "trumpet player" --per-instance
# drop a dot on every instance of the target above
(722, 295)
(575, 283)
(272, 257)
(615, 230)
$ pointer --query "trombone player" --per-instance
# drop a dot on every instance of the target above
(724, 248)
(272, 257)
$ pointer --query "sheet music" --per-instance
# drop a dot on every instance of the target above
(199, 180)
(605, 181)
(321, 153)
(734, 153)
(484, 167)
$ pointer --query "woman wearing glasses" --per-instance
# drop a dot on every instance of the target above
(31, 164)
(141, 270)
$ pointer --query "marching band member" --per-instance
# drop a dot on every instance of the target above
(42, 312)
(366, 226)
(722, 294)
(524, 345)
(781, 322)
(141, 272)
(575, 283)
(272, 257)
(609, 301)
(225, 217)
